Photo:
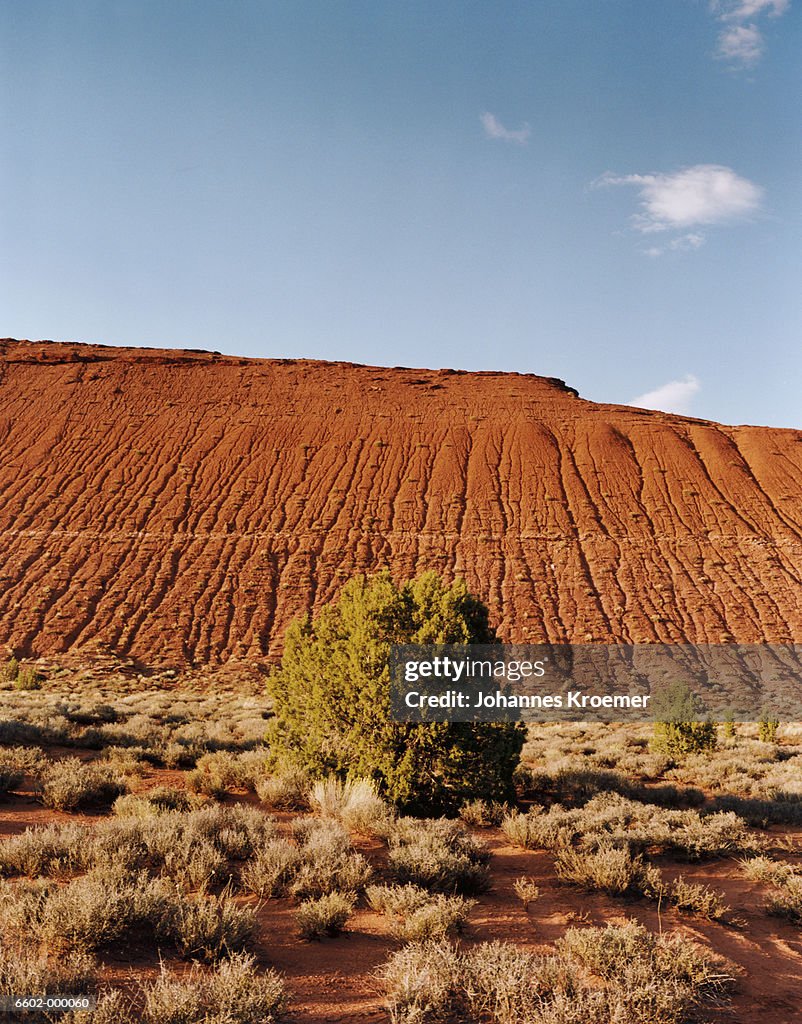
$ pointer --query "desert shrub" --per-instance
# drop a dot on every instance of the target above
(325, 915)
(207, 928)
(526, 890)
(69, 784)
(271, 869)
(610, 818)
(621, 973)
(91, 912)
(27, 970)
(27, 678)
(9, 670)
(677, 729)
(606, 868)
(609, 952)
(764, 869)
(438, 855)
(287, 790)
(522, 829)
(787, 900)
(767, 727)
(124, 760)
(327, 862)
(48, 850)
(220, 771)
(354, 802)
(679, 738)
(692, 898)
(233, 992)
(156, 801)
(27, 760)
(421, 982)
(416, 915)
(332, 699)
(483, 813)
(235, 831)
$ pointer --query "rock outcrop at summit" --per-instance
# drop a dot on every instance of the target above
(186, 506)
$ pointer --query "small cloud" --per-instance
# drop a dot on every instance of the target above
(683, 243)
(693, 197)
(675, 396)
(742, 10)
(741, 44)
(494, 129)
(740, 40)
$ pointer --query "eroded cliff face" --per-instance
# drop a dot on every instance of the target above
(173, 505)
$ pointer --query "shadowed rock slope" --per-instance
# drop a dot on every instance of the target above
(173, 505)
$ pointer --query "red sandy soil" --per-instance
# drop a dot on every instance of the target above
(172, 505)
(333, 981)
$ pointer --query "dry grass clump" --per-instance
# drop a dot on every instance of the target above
(48, 850)
(193, 848)
(526, 890)
(270, 871)
(28, 760)
(438, 855)
(169, 727)
(208, 928)
(234, 992)
(328, 863)
(416, 915)
(619, 973)
(787, 901)
(693, 898)
(611, 818)
(285, 791)
(68, 784)
(614, 870)
(354, 802)
(91, 912)
(483, 813)
(325, 915)
(125, 760)
(156, 801)
(765, 869)
(102, 908)
(223, 770)
(27, 970)
(608, 868)
(317, 861)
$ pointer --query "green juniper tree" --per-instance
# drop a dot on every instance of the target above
(678, 729)
(331, 697)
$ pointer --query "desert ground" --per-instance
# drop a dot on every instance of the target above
(319, 905)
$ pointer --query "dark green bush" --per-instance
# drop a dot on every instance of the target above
(332, 697)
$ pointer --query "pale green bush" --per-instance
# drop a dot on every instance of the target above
(325, 915)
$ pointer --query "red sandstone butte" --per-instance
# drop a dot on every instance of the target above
(186, 506)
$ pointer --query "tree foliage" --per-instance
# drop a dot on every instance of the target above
(332, 697)
(678, 728)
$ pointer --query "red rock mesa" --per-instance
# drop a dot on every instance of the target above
(185, 506)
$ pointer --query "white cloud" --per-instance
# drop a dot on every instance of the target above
(494, 129)
(682, 243)
(743, 10)
(690, 198)
(742, 45)
(740, 41)
(675, 396)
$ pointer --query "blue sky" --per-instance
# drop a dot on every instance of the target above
(606, 191)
